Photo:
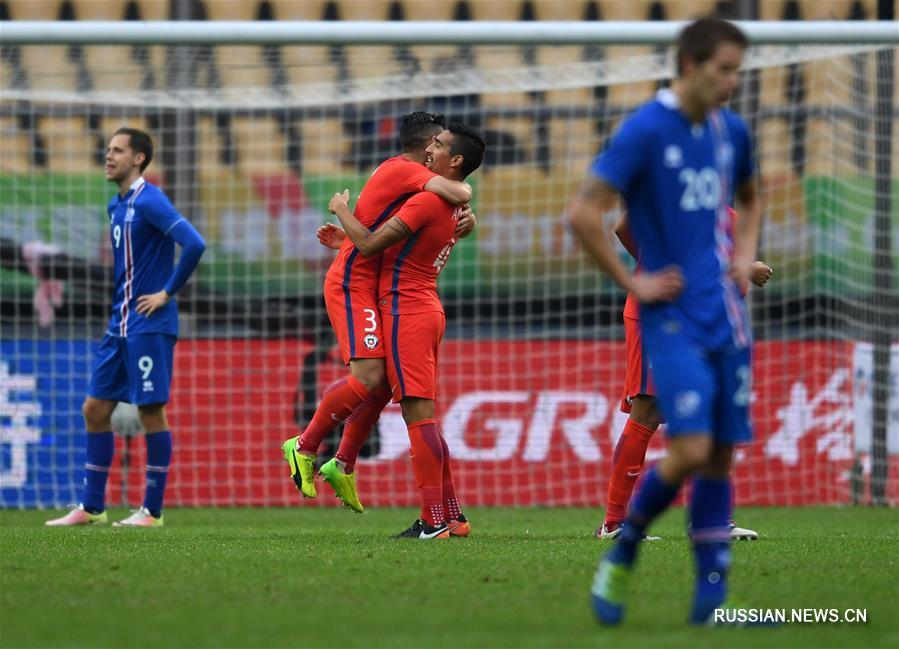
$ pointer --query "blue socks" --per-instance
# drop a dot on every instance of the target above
(710, 514)
(159, 456)
(651, 500)
(100, 449)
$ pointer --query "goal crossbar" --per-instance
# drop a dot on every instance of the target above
(429, 32)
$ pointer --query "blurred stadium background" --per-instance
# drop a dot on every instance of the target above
(251, 142)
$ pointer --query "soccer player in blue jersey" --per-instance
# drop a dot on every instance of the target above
(677, 163)
(134, 360)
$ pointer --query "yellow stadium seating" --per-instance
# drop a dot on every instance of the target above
(31, 10)
(308, 64)
(241, 66)
(260, 145)
(70, 147)
(325, 146)
(559, 9)
(495, 9)
(364, 9)
(573, 141)
(298, 9)
(419, 10)
(815, 9)
(16, 148)
(231, 9)
(48, 67)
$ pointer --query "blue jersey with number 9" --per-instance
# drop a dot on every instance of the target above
(144, 255)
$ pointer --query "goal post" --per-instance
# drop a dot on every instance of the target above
(256, 126)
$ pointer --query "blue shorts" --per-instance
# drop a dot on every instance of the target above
(136, 369)
(703, 391)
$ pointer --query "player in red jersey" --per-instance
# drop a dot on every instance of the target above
(416, 244)
(639, 402)
(350, 293)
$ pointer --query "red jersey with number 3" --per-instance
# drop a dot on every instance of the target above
(394, 181)
(410, 268)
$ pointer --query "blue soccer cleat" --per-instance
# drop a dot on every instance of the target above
(608, 592)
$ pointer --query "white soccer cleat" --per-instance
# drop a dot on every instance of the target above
(140, 518)
(78, 517)
(742, 534)
(607, 534)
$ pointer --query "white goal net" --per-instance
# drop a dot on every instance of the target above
(252, 141)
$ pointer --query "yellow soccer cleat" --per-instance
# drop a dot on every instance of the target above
(343, 484)
(302, 468)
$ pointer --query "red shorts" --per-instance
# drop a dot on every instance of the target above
(637, 377)
(356, 321)
(412, 343)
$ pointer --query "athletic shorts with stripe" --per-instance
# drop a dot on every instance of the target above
(135, 369)
(356, 320)
(413, 341)
(637, 374)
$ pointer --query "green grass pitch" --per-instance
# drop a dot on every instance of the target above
(327, 578)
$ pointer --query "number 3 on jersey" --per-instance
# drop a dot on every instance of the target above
(702, 189)
(371, 319)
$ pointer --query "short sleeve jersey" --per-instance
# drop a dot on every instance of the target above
(632, 307)
(677, 180)
(144, 256)
(410, 268)
(394, 181)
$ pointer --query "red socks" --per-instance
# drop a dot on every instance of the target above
(359, 425)
(338, 401)
(627, 461)
(451, 509)
(427, 465)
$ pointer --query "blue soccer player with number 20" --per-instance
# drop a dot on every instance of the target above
(677, 164)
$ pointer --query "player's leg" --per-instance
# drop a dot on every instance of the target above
(627, 461)
(638, 401)
(711, 502)
(709, 531)
(456, 521)
(340, 471)
(338, 401)
(150, 369)
(413, 341)
(354, 317)
(426, 454)
(358, 426)
(738, 533)
(108, 386)
(686, 395)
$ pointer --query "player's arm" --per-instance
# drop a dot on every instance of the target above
(625, 236)
(746, 232)
(467, 222)
(366, 242)
(595, 198)
(457, 192)
(332, 236)
(167, 219)
(760, 274)
(749, 205)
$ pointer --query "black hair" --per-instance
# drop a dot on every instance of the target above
(468, 143)
(140, 142)
(417, 129)
(699, 40)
